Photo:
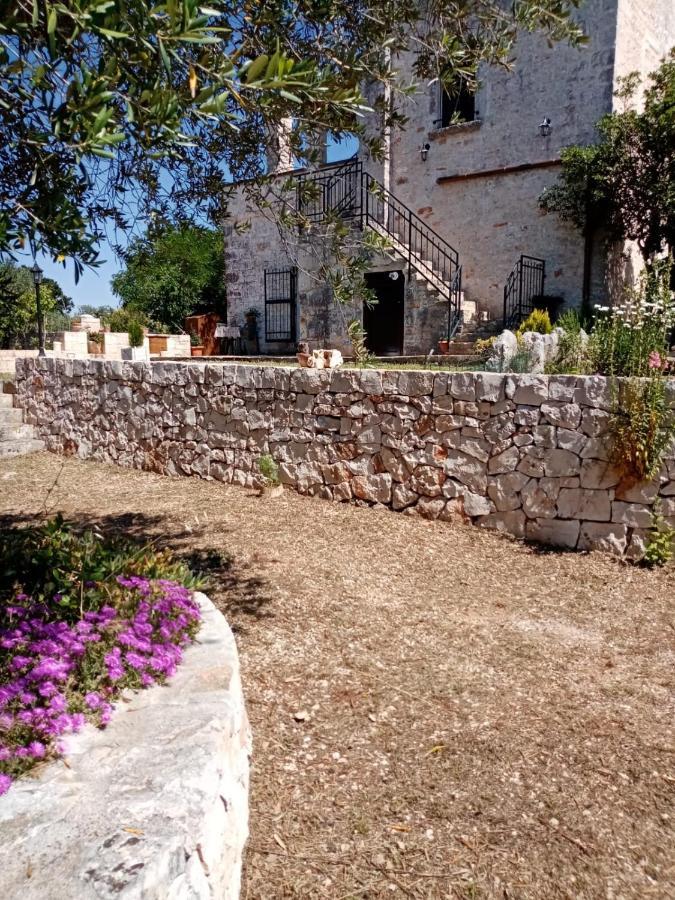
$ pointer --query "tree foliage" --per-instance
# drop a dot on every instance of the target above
(113, 111)
(172, 274)
(18, 309)
(626, 182)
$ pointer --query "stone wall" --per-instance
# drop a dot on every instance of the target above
(318, 318)
(153, 806)
(492, 219)
(480, 183)
(524, 454)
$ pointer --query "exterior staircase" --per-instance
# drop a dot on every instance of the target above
(472, 329)
(16, 439)
(346, 191)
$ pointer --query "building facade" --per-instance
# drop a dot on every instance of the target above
(459, 189)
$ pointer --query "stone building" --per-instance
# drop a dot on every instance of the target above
(456, 198)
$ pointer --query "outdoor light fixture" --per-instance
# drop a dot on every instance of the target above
(424, 151)
(393, 276)
(545, 127)
(37, 273)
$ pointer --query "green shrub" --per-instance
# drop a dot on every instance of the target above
(572, 357)
(483, 345)
(56, 558)
(538, 320)
(659, 549)
(136, 334)
(269, 469)
(120, 319)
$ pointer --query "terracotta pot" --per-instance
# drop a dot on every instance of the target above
(196, 351)
(304, 358)
(444, 347)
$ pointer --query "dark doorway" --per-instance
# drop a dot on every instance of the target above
(383, 322)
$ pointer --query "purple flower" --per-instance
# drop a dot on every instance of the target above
(5, 783)
(45, 655)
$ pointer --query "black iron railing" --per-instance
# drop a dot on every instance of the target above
(347, 191)
(524, 284)
(332, 190)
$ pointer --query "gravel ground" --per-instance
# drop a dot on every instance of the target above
(437, 712)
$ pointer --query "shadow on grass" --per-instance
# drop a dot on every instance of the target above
(236, 592)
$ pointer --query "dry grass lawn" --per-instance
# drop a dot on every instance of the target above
(437, 712)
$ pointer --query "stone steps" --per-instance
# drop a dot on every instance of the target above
(16, 439)
(16, 432)
(10, 449)
(10, 416)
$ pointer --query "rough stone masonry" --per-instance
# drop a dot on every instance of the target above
(524, 454)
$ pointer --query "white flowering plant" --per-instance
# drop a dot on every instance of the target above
(631, 338)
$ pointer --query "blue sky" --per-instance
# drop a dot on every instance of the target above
(94, 285)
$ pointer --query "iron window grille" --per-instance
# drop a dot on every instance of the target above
(281, 287)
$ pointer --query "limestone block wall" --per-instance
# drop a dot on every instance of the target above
(319, 318)
(155, 805)
(524, 454)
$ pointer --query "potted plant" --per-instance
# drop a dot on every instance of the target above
(444, 346)
(136, 349)
(95, 343)
(196, 347)
(270, 484)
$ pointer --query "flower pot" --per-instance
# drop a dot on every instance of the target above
(444, 347)
(135, 354)
(196, 351)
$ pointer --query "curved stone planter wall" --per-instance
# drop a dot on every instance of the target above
(525, 454)
(153, 806)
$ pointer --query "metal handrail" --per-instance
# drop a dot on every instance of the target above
(349, 192)
(525, 281)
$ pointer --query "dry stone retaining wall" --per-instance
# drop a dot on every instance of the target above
(524, 454)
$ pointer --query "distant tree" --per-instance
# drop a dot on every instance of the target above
(173, 274)
(18, 310)
(101, 312)
(625, 184)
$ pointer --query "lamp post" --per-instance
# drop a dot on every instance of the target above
(37, 280)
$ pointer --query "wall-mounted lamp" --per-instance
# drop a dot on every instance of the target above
(424, 151)
(545, 127)
(393, 276)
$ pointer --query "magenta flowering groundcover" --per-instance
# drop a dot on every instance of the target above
(55, 675)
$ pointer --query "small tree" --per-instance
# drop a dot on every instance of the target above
(173, 274)
(18, 311)
(626, 183)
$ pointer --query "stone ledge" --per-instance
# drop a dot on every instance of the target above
(155, 805)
